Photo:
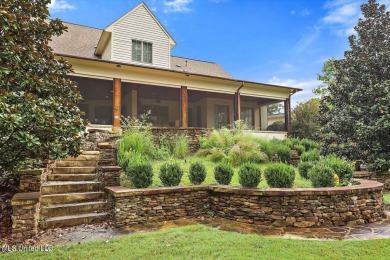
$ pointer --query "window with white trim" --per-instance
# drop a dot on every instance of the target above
(142, 51)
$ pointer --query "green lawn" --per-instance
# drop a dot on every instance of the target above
(185, 164)
(202, 242)
(386, 198)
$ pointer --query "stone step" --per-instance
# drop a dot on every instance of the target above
(71, 177)
(90, 152)
(74, 170)
(92, 163)
(71, 197)
(83, 157)
(73, 209)
(58, 187)
(106, 145)
(107, 162)
(72, 220)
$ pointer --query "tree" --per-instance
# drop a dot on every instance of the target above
(304, 119)
(355, 115)
(39, 118)
(274, 108)
(327, 77)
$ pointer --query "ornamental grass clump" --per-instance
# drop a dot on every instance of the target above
(197, 173)
(249, 175)
(310, 156)
(280, 175)
(322, 175)
(170, 174)
(223, 173)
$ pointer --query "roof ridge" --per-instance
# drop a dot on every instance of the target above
(83, 25)
(194, 59)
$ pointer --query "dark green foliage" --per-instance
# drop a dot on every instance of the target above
(355, 113)
(342, 168)
(197, 173)
(249, 175)
(322, 175)
(277, 126)
(304, 121)
(304, 167)
(309, 144)
(170, 174)
(223, 173)
(310, 156)
(39, 117)
(140, 174)
(284, 153)
(279, 175)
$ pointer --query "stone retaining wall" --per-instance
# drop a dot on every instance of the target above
(306, 207)
(382, 177)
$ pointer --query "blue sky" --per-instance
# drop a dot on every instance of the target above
(282, 42)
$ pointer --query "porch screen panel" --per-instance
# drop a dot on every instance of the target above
(247, 115)
(221, 116)
(97, 99)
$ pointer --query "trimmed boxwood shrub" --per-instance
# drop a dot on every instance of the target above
(140, 174)
(304, 167)
(197, 173)
(249, 175)
(322, 175)
(340, 167)
(170, 174)
(284, 153)
(223, 173)
(310, 156)
(280, 175)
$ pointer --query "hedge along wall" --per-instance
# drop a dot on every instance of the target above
(321, 207)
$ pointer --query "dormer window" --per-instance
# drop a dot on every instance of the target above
(142, 51)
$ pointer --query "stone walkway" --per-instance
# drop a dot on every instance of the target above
(106, 232)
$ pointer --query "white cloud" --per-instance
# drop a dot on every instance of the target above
(307, 39)
(302, 12)
(177, 6)
(217, 1)
(307, 87)
(60, 5)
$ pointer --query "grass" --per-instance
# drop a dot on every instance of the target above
(185, 164)
(386, 198)
(202, 242)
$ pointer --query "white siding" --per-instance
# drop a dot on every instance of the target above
(140, 25)
(107, 51)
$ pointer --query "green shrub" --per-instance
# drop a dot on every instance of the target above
(266, 147)
(284, 153)
(246, 152)
(140, 174)
(216, 155)
(310, 156)
(180, 147)
(197, 173)
(223, 173)
(322, 175)
(170, 174)
(309, 144)
(249, 175)
(277, 126)
(300, 148)
(280, 175)
(304, 167)
(340, 167)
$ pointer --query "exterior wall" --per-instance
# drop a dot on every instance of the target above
(140, 25)
(321, 207)
(107, 51)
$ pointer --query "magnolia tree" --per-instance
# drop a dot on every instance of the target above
(355, 112)
(39, 118)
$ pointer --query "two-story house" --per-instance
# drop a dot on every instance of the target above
(127, 69)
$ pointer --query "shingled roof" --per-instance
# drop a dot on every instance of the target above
(80, 41)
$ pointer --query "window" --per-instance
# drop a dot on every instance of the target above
(247, 116)
(142, 51)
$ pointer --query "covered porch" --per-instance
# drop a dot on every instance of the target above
(104, 101)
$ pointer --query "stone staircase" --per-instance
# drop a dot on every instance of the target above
(72, 195)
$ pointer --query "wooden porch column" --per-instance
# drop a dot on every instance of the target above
(237, 106)
(184, 106)
(117, 103)
(287, 114)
